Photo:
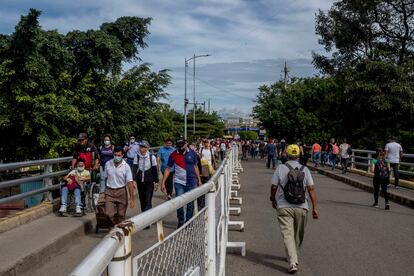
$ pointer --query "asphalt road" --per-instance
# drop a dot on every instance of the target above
(349, 238)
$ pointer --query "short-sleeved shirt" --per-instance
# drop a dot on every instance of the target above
(88, 153)
(280, 179)
(316, 148)
(79, 175)
(271, 149)
(117, 176)
(343, 150)
(184, 166)
(207, 154)
(133, 151)
(393, 149)
(164, 154)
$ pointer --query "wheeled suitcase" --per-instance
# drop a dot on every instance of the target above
(102, 220)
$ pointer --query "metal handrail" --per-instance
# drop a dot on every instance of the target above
(15, 182)
(45, 176)
(25, 164)
(106, 249)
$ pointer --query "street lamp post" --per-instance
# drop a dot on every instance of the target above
(186, 102)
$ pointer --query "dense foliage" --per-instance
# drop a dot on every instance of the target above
(53, 86)
(248, 135)
(367, 91)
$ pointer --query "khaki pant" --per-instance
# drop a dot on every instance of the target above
(116, 204)
(292, 222)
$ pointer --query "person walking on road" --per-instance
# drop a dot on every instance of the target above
(162, 158)
(106, 153)
(333, 153)
(186, 176)
(146, 176)
(86, 151)
(270, 150)
(207, 152)
(131, 148)
(394, 154)
(118, 177)
(289, 184)
(380, 167)
(316, 153)
(345, 152)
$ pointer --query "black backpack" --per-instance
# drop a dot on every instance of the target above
(381, 170)
(294, 190)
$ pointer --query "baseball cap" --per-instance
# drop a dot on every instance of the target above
(144, 144)
(82, 136)
(293, 150)
(180, 142)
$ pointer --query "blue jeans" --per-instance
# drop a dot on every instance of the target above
(179, 190)
(332, 159)
(64, 196)
(273, 158)
(315, 158)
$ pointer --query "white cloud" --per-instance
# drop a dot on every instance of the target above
(249, 39)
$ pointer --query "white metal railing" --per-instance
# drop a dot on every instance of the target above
(364, 158)
(48, 176)
(205, 235)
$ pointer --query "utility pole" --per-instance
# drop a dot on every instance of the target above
(286, 75)
(208, 106)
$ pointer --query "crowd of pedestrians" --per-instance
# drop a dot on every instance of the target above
(135, 167)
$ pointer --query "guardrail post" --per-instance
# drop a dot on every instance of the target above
(369, 162)
(211, 232)
(353, 160)
(121, 263)
(48, 182)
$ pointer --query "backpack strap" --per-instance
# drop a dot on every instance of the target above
(288, 166)
(302, 168)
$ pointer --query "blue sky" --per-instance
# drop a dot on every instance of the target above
(248, 40)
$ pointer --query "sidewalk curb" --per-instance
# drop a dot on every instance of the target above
(404, 200)
(28, 215)
(44, 254)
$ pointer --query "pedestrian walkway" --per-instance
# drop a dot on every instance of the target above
(350, 238)
(401, 195)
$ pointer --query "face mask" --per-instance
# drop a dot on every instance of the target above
(117, 159)
(81, 169)
(132, 141)
(107, 142)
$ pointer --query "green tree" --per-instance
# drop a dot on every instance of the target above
(53, 86)
(248, 135)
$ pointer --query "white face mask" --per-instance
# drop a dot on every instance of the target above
(132, 141)
(107, 142)
(81, 169)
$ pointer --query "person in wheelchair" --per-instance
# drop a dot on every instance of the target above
(75, 181)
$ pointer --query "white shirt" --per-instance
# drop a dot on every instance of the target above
(117, 176)
(393, 150)
(206, 154)
(222, 146)
(145, 163)
(280, 179)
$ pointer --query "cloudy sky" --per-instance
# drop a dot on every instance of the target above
(248, 40)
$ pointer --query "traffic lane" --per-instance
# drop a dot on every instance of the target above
(350, 238)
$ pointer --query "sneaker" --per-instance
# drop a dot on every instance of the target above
(62, 209)
(168, 197)
(396, 187)
(387, 206)
(78, 210)
(293, 268)
(375, 205)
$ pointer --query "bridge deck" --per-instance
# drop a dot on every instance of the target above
(350, 238)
